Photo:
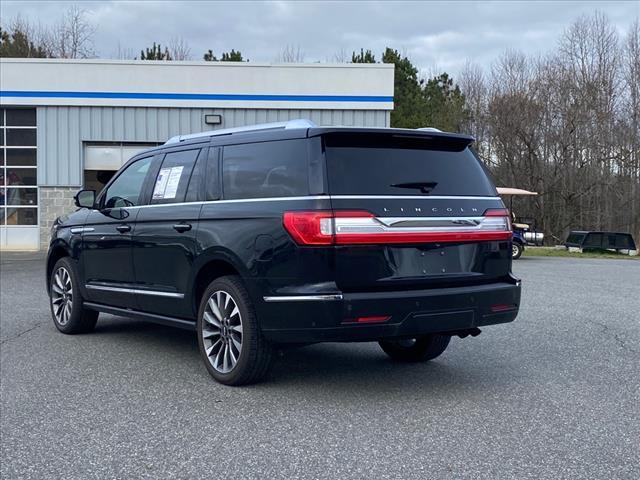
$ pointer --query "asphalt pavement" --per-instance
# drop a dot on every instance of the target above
(555, 395)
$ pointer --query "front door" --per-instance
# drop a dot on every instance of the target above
(106, 256)
(164, 239)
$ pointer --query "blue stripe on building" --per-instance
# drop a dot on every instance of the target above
(196, 96)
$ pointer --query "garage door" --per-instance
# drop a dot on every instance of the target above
(111, 156)
(102, 160)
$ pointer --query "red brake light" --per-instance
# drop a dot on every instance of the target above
(317, 227)
(496, 212)
(310, 228)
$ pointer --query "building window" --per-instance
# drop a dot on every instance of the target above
(18, 173)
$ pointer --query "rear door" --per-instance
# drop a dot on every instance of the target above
(411, 212)
(164, 239)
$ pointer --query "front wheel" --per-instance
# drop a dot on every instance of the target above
(516, 250)
(67, 305)
(417, 349)
(231, 343)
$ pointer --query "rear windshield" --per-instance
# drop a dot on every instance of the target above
(387, 165)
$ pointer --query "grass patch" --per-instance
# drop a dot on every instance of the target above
(556, 252)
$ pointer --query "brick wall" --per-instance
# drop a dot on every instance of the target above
(54, 201)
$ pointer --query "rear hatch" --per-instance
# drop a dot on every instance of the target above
(413, 211)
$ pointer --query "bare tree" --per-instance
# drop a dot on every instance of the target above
(473, 84)
(341, 56)
(566, 125)
(124, 53)
(72, 36)
(631, 135)
(291, 54)
(179, 49)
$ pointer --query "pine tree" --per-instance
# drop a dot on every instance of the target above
(155, 53)
(18, 44)
(408, 99)
(444, 104)
(209, 56)
(363, 57)
(232, 56)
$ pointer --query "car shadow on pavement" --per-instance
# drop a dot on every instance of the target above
(146, 332)
(365, 368)
(330, 366)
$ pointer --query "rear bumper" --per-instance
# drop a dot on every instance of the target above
(411, 313)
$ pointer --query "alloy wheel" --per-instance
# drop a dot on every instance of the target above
(515, 249)
(62, 296)
(222, 331)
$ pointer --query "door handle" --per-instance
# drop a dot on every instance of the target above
(123, 228)
(182, 227)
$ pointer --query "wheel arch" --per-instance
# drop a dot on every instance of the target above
(56, 252)
(210, 266)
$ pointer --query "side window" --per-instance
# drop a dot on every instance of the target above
(173, 178)
(213, 174)
(268, 169)
(194, 190)
(126, 188)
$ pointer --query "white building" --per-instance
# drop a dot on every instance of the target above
(65, 124)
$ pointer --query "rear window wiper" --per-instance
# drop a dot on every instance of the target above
(424, 187)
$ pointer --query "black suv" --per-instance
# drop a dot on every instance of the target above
(292, 234)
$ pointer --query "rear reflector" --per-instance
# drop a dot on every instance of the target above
(361, 227)
(502, 307)
(370, 319)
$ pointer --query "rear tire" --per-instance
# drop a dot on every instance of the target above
(67, 305)
(516, 250)
(231, 344)
(418, 349)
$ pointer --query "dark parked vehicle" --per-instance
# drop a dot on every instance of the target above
(292, 234)
(585, 240)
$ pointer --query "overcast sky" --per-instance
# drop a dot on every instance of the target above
(437, 36)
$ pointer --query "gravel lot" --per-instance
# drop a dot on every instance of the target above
(555, 394)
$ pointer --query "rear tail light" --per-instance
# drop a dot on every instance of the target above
(363, 228)
(310, 228)
(498, 218)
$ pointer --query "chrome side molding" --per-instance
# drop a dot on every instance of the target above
(313, 197)
(135, 291)
(303, 298)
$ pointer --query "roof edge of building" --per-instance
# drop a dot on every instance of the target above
(192, 63)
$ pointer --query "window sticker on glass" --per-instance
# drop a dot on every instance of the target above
(172, 182)
(161, 183)
(167, 183)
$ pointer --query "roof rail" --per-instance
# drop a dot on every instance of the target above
(288, 125)
(429, 129)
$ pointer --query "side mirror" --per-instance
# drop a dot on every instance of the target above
(85, 198)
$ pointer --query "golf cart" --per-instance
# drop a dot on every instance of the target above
(523, 231)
